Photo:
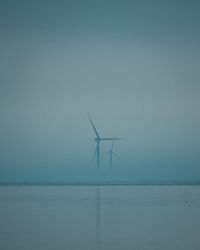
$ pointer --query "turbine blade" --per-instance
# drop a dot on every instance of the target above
(94, 154)
(93, 127)
(115, 155)
(112, 146)
(111, 139)
(107, 153)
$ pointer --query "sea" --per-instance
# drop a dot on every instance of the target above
(119, 217)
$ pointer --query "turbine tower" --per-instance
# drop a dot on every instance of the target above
(111, 153)
(98, 139)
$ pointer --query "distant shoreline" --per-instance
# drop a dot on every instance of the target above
(150, 183)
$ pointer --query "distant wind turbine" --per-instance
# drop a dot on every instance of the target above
(98, 139)
(111, 153)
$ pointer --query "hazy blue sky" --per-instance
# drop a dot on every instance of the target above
(133, 65)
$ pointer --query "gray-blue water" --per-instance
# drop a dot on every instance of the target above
(102, 218)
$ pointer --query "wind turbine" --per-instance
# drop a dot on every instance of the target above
(98, 139)
(111, 153)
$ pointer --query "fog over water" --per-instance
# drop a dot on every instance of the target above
(133, 65)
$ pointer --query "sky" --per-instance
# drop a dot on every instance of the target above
(134, 66)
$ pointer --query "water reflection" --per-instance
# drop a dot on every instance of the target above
(105, 216)
(98, 218)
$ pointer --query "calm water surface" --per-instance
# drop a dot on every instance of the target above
(100, 218)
